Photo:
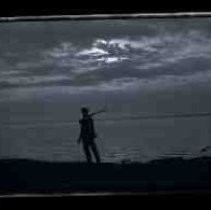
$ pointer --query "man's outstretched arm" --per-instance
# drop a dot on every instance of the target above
(100, 111)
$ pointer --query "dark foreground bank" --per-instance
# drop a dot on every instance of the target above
(173, 174)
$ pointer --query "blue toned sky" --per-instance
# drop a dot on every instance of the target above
(49, 69)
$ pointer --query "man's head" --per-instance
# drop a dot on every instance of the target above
(84, 111)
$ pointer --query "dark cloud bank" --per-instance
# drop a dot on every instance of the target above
(151, 65)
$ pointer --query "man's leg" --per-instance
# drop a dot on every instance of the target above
(95, 152)
(87, 153)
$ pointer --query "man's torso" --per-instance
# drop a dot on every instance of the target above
(87, 129)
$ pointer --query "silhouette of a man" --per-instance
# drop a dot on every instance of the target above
(88, 135)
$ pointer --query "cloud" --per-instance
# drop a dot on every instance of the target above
(107, 57)
(62, 50)
(111, 59)
(22, 81)
(93, 52)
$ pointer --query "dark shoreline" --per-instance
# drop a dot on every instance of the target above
(168, 175)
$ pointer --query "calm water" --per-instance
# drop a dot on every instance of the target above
(136, 140)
